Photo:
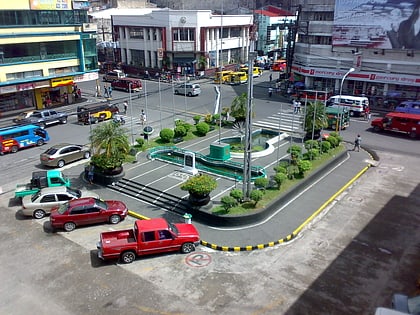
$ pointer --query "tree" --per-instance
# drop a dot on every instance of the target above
(256, 195)
(228, 202)
(238, 107)
(237, 194)
(280, 178)
(261, 183)
(109, 146)
(316, 118)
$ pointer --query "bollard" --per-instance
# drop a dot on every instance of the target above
(187, 218)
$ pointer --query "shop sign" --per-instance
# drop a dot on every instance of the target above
(41, 84)
(51, 5)
(61, 81)
(25, 86)
(86, 77)
(7, 89)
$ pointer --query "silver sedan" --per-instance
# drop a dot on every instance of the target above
(64, 153)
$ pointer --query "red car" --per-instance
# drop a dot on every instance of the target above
(84, 211)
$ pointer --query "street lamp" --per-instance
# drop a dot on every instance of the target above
(341, 91)
(131, 113)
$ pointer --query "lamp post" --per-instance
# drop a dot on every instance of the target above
(131, 113)
(339, 100)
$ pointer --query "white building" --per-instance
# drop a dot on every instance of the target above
(182, 40)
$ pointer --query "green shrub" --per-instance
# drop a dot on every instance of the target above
(197, 119)
(325, 146)
(280, 178)
(312, 154)
(281, 169)
(261, 183)
(237, 194)
(228, 202)
(303, 166)
(201, 184)
(202, 128)
(166, 135)
(179, 132)
(333, 141)
(311, 144)
(256, 195)
(295, 148)
(140, 142)
(215, 118)
(208, 118)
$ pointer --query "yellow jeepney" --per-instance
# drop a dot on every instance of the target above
(256, 71)
(222, 76)
(238, 78)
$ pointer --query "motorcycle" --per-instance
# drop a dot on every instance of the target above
(118, 119)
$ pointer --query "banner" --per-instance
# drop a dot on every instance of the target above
(51, 4)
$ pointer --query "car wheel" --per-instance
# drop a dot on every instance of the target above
(187, 248)
(412, 134)
(86, 155)
(61, 163)
(189, 94)
(176, 92)
(128, 257)
(39, 214)
(69, 226)
(376, 129)
(114, 219)
(351, 113)
(95, 120)
(42, 125)
(14, 149)
(40, 142)
(63, 121)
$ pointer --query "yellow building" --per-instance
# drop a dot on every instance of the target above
(46, 47)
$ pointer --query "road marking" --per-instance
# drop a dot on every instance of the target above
(198, 259)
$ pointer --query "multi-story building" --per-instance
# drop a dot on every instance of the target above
(335, 36)
(46, 48)
(182, 40)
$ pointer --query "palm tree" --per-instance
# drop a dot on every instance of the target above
(238, 111)
(109, 146)
(316, 118)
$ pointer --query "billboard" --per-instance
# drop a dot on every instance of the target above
(382, 24)
(51, 4)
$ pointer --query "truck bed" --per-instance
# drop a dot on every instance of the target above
(117, 238)
(24, 189)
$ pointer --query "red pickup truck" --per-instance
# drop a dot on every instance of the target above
(148, 237)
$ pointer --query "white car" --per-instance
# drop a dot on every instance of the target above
(41, 203)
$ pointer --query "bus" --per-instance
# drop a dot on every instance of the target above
(279, 65)
(222, 76)
(14, 138)
(356, 105)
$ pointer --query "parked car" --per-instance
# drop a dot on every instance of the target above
(41, 203)
(405, 304)
(86, 211)
(114, 75)
(41, 118)
(63, 153)
(127, 84)
(189, 89)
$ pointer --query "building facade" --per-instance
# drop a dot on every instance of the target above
(182, 40)
(333, 39)
(45, 49)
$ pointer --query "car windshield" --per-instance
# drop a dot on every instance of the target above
(173, 228)
(74, 192)
(101, 204)
(63, 208)
(51, 151)
(35, 196)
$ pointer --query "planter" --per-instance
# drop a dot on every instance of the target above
(198, 200)
(107, 177)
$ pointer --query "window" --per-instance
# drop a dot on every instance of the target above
(56, 181)
(148, 236)
(64, 197)
(48, 198)
(92, 210)
(77, 210)
(164, 235)
(183, 34)
(136, 32)
(235, 32)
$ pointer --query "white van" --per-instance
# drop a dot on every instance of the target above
(354, 104)
(189, 89)
(114, 75)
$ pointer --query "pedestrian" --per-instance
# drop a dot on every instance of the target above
(295, 106)
(271, 77)
(298, 105)
(369, 116)
(270, 91)
(98, 91)
(110, 91)
(79, 93)
(357, 143)
(66, 98)
(143, 117)
(90, 173)
(106, 91)
(125, 104)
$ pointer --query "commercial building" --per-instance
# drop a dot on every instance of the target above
(183, 41)
(46, 47)
(334, 37)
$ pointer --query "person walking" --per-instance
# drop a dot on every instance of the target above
(270, 91)
(143, 117)
(357, 143)
(106, 95)
(110, 91)
(90, 173)
(271, 77)
(298, 105)
(295, 106)
(125, 104)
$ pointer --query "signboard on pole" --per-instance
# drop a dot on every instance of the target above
(160, 54)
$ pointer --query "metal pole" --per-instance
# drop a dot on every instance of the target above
(131, 113)
(160, 105)
(185, 94)
(314, 115)
(341, 90)
(173, 101)
(145, 99)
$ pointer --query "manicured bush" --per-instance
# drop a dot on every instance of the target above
(280, 178)
(237, 194)
(179, 132)
(303, 166)
(312, 154)
(166, 135)
(333, 141)
(311, 144)
(281, 169)
(261, 183)
(202, 128)
(256, 195)
(325, 146)
(208, 118)
(201, 184)
(228, 202)
(140, 142)
(215, 118)
(197, 119)
(336, 135)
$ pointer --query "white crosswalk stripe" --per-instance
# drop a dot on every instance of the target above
(288, 122)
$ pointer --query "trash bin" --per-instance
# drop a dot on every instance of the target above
(187, 218)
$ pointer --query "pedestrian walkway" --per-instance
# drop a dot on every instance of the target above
(283, 121)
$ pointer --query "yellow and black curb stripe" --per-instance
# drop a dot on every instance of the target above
(280, 241)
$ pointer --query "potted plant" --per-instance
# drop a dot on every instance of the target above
(199, 187)
(110, 146)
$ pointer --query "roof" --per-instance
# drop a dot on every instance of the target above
(106, 14)
(404, 115)
(278, 11)
(266, 13)
(152, 224)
